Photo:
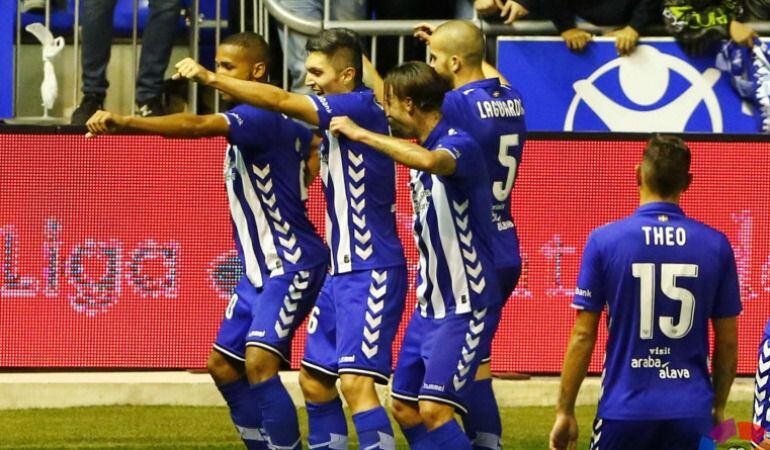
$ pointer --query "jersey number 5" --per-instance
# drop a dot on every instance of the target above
(501, 189)
(668, 276)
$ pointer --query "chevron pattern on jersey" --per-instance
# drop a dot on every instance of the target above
(375, 304)
(361, 234)
(761, 398)
(469, 350)
(473, 266)
(287, 315)
(286, 238)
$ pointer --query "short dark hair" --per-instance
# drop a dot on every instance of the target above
(420, 82)
(666, 165)
(339, 44)
(251, 42)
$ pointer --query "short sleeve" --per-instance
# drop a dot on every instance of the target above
(589, 291)
(248, 125)
(466, 153)
(329, 106)
(728, 300)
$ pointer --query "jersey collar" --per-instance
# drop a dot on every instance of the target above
(480, 84)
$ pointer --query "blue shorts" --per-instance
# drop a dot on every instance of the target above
(268, 317)
(354, 322)
(439, 357)
(507, 279)
(672, 434)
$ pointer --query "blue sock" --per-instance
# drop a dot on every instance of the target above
(374, 430)
(418, 438)
(482, 423)
(245, 413)
(279, 416)
(450, 437)
(328, 429)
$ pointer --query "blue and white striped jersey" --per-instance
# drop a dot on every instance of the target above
(493, 114)
(264, 177)
(452, 229)
(360, 187)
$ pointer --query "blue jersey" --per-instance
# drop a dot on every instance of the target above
(452, 229)
(360, 187)
(493, 114)
(662, 276)
(264, 176)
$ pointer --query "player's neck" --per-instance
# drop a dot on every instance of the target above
(426, 122)
(464, 77)
(646, 197)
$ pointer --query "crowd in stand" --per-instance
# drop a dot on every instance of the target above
(698, 25)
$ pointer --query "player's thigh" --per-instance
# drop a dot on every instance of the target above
(231, 337)
(410, 368)
(369, 306)
(321, 342)
(280, 307)
(453, 361)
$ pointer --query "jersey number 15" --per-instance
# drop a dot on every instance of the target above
(668, 276)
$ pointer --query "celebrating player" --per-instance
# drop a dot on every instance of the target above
(283, 260)
(491, 110)
(452, 205)
(662, 277)
(356, 317)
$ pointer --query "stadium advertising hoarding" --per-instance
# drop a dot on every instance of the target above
(657, 88)
(117, 251)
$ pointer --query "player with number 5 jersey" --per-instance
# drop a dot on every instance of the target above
(663, 277)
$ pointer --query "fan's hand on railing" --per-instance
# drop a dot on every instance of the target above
(104, 122)
(188, 68)
(423, 32)
(511, 11)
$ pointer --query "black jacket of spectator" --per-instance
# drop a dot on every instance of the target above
(698, 24)
(635, 13)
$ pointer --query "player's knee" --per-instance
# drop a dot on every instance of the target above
(359, 391)
(407, 414)
(261, 365)
(435, 414)
(317, 387)
(221, 369)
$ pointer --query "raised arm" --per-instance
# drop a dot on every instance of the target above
(373, 80)
(261, 95)
(491, 71)
(182, 125)
(404, 152)
(581, 345)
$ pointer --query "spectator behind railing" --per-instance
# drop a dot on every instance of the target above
(313, 10)
(631, 16)
(157, 40)
(699, 25)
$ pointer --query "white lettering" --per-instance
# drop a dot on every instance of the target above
(664, 236)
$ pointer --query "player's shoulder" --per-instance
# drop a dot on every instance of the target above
(457, 137)
(705, 233)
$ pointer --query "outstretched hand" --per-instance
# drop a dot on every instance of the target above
(188, 68)
(345, 126)
(104, 122)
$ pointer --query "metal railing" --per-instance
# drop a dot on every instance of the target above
(263, 10)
